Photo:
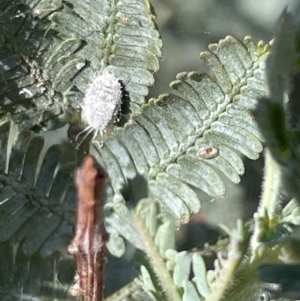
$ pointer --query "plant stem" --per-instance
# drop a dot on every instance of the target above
(90, 238)
(157, 262)
(269, 202)
(224, 280)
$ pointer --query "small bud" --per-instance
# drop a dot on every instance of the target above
(207, 152)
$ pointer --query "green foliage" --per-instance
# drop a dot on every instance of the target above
(162, 151)
(37, 204)
(163, 142)
(52, 50)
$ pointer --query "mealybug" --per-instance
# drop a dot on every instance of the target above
(101, 103)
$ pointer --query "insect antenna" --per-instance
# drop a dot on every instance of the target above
(88, 129)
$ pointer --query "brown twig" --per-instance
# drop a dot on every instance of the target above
(90, 237)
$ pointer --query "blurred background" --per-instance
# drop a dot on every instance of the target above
(187, 27)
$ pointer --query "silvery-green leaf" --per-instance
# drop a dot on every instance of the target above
(163, 142)
(199, 270)
(182, 268)
(190, 293)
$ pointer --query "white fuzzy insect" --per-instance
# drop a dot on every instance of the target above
(101, 103)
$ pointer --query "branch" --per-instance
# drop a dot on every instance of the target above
(90, 238)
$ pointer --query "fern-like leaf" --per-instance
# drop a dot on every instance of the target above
(54, 49)
(37, 204)
(34, 278)
(165, 142)
(37, 200)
